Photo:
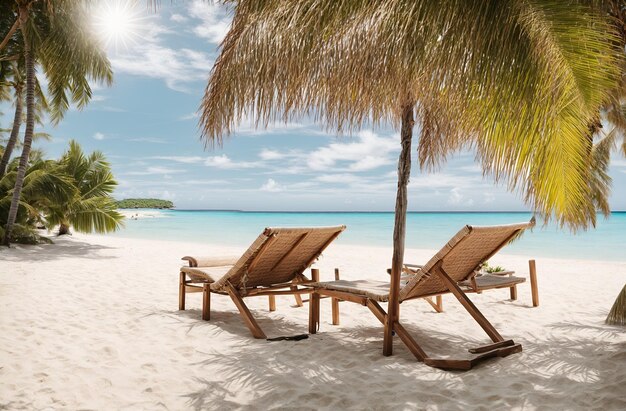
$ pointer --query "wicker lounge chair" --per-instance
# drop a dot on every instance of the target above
(484, 282)
(455, 262)
(273, 265)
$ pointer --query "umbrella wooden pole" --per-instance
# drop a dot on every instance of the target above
(399, 229)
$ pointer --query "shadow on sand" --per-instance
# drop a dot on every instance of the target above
(62, 247)
(343, 367)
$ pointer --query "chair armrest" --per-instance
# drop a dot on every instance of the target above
(209, 261)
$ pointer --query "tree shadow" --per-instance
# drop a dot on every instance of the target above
(61, 248)
(343, 367)
(274, 324)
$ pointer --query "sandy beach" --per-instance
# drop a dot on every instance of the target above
(91, 322)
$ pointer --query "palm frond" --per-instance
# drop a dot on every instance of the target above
(96, 214)
(71, 56)
(518, 81)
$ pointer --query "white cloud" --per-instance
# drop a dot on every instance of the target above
(339, 178)
(370, 163)
(457, 198)
(214, 20)
(151, 58)
(176, 67)
(224, 162)
(178, 18)
(98, 97)
(180, 159)
(368, 153)
(156, 170)
(267, 154)
(98, 136)
(488, 198)
(248, 127)
(272, 186)
(189, 116)
(442, 180)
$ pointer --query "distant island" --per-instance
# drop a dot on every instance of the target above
(144, 203)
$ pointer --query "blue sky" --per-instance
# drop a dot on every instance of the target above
(146, 124)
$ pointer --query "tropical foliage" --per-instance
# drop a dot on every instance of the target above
(53, 35)
(44, 184)
(144, 203)
(91, 208)
(617, 314)
(74, 190)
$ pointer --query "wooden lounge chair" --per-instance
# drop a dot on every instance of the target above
(484, 282)
(273, 265)
(455, 262)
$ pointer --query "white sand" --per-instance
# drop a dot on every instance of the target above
(92, 323)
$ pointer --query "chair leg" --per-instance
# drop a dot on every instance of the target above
(248, 319)
(206, 302)
(181, 291)
(272, 302)
(438, 306)
(314, 309)
(297, 297)
(469, 306)
(405, 337)
(335, 303)
(513, 291)
(335, 310)
(533, 282)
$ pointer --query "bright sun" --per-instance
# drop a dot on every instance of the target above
(117, 22)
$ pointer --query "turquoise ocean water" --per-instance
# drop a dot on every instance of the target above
(425, 230)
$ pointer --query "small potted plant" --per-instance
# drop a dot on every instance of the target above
(486, 269)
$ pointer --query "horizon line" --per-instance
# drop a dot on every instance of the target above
(362, 212)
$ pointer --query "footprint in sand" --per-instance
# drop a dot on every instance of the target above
(149, 367)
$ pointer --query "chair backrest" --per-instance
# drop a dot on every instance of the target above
(278, 255)
(461, 256)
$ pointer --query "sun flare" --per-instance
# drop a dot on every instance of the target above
(117, 22)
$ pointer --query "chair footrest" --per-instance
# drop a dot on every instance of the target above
(467, 364)
(490, 347)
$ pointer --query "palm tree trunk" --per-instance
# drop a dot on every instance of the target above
(15, 131)
(64, 229)
(30, 124)
(399, 229)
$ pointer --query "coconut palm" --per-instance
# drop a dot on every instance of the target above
(518, 82)
(18, 86)
(91, 208)
(12, 78)
(55, 36)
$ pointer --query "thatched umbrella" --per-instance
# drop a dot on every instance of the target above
(519, 82)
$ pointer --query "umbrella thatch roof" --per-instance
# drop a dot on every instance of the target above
(520, 82)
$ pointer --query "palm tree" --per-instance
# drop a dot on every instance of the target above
(18, 86)
(91, 208)
(12, 77)
(519, 82)
(54, 35)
